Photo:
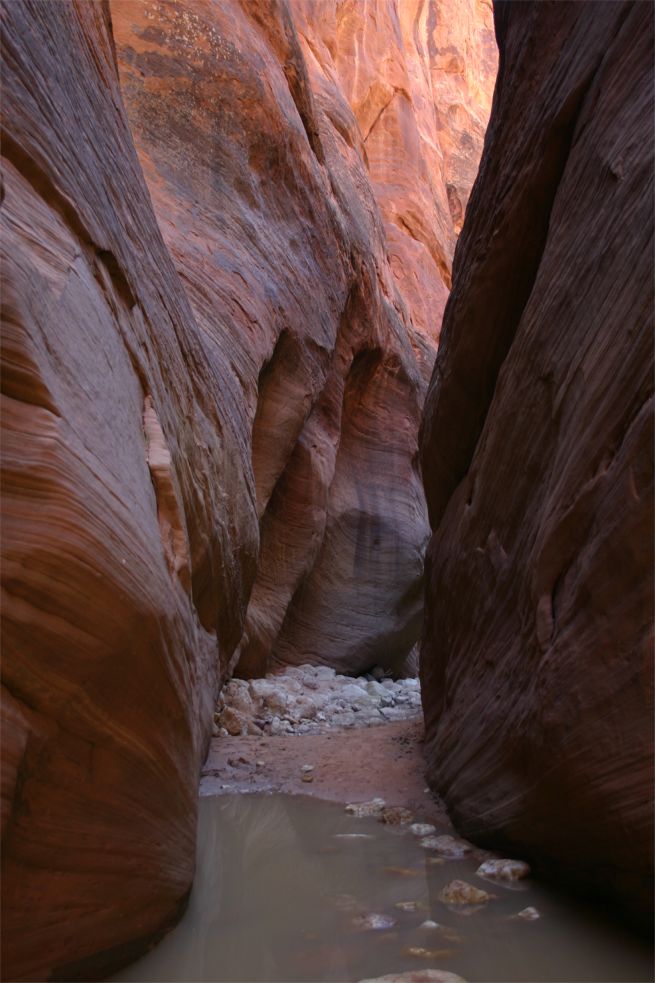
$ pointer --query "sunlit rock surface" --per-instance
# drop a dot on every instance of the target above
(268, 140)
(216, 392)
(537, 456)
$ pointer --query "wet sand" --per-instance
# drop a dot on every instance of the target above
(353, 765)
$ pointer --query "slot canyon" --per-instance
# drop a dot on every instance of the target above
(327, 490)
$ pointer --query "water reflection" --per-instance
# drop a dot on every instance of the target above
(281, 895)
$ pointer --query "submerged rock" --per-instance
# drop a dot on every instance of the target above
(528, 914)
(373, 922)
(463, 893)
(396, 816)
(504, 870)
(418, 976)
(419, 952)
(422, 829)
(447, 846)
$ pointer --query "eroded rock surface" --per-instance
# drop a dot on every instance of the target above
(126, 560)
(295, 161)
(220, 392)
(537, 455)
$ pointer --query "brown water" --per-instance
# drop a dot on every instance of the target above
(279, 896)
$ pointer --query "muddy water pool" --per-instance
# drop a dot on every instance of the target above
(285, 892)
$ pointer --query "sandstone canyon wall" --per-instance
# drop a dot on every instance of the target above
(537, 451)
(213, 372)
(273, 157)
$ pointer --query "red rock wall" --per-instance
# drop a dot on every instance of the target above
(126, 559)
(254, 125)
(537, 455)
(211, 392)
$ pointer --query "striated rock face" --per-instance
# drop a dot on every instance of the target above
(537, 455)
(213, 372)
(267, 144)
(126, 557)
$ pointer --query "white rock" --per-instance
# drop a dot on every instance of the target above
(447, 846)
(422, 829)
(364, 809)
(354, 694)
(259, 688)
(423, 975)
(324, 672)
(529, 914)
(504, 870)
(373, 922)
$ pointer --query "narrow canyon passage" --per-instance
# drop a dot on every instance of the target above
(327, 490)
(323, 856)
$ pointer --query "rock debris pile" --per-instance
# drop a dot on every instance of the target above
(312, 700)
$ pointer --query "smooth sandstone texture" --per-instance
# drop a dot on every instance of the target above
(126, 559)
(537, 456)
(272, 166)
(209, 414)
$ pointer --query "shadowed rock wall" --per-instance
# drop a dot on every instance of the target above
(210, 413)
(537, 450)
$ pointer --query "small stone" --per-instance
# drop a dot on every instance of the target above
(447, 846)
(422, 829)
(402, 871)
(260, 764)
(352, 836)
(238, 697)
(362, 810)
(460, 892)
(307, 768)
(504, 870)
(373, 922)
(429, 925)
(418, 976)
(396, 816)
(354, 694)
(435, 861)
(234, 722)
(308, 777)
(418, 952)
(529, 914)
(408, 905)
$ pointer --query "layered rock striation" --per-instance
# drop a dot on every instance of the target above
(272, 160)
(537, 455)
(212, 381)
